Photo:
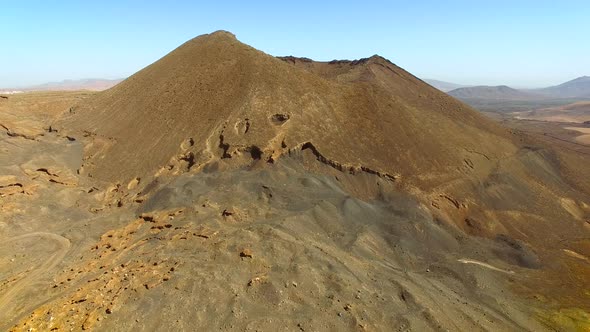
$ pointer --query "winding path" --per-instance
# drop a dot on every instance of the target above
(6, 298)
(486, 265)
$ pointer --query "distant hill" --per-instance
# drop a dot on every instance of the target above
(501, 92)
(93, 84)
(444, 86)
(576, 88)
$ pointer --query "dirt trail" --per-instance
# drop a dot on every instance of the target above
(7, 303)
(486, 265)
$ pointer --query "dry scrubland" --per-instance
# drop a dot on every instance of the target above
(222, 188)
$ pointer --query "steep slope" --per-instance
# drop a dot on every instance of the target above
(216, 98)
(576, 88)
(500, 92)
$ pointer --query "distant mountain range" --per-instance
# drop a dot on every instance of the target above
(578, 88)
(501, 92)
(444, 86)
(93, 84)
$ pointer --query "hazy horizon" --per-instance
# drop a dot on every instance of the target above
(526, 45)
(422, 78)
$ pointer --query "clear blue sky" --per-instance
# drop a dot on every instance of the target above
(519, 42)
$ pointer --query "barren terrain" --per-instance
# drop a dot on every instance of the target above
(585, 137)
(221, 188)
(578, 112)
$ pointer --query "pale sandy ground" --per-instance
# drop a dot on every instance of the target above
(571, 113)
(585, 137)
(553, 118)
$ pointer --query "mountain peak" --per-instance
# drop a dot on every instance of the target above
(227, 99)
(221, 38)
(576, 88)
(223, 33)
(581, 79)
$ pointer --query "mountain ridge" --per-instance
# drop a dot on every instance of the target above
(247, 83)
(576, 88)
(443, 85)
(500, 92)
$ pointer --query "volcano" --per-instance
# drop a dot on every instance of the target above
(228, 98)
(222, 188)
